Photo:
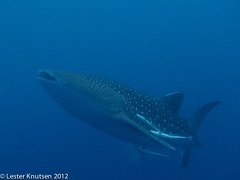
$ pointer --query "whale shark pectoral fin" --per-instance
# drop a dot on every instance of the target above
(151, 152)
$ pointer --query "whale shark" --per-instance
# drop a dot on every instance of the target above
(150, 124)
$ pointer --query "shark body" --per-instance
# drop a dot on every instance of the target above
(126, 113)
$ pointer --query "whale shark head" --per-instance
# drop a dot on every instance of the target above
(90, 89)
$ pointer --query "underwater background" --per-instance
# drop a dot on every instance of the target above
(156, 46)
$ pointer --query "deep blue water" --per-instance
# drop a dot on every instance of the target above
(156, 46)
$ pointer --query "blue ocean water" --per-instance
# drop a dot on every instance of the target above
(156, 46)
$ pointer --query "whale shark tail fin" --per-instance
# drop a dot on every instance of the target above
(195, 121)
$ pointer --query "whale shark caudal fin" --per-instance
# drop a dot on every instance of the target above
(195, 122)
(197, 117)
(185, 157)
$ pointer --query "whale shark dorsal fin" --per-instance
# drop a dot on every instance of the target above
(172, 102)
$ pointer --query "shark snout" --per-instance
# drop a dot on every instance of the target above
(46, 75)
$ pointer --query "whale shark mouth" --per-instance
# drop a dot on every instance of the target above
(47, 76)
